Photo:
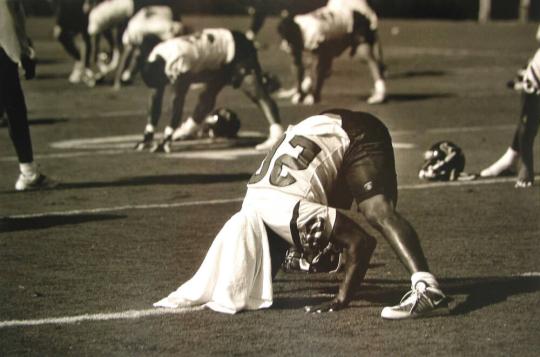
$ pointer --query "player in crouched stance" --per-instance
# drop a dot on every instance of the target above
(215, 58)
(315, 39)
(337, 153)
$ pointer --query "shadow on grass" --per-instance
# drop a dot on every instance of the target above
(416, 97)
(185, 179)
(46, 121)
(479, 292)
(34, 223)
(413, 74)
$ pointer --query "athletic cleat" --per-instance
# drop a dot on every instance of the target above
(77, 73)
(421, 301)
(377, 98)
(34, 182)
(188, 130)
(146, 142)
(89, 78)
(163, 146)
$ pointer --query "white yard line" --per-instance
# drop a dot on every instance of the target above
(419, 186)
(123, 315)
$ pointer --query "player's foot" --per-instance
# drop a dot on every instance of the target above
(276, 131)
(77, 73)
(376, 98)
(420, 301)
(146, 142)
(504, 165)
(89, 78)
(188, 130)
(163, 146)
(34, 182)
(286, 93)
(523, 183)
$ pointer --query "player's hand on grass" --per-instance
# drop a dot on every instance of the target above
(329, 306)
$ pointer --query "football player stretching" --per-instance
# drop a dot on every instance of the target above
(337, 152)
(521, 148)
(214, 58)
(323, 35)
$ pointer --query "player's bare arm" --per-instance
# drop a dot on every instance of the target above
(358, 248)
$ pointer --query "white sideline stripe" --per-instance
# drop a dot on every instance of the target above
(420, 186)
(123, 315)
(126, 207)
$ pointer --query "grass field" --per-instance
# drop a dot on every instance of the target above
(82, 264)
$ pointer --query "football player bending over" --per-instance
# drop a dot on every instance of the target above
(158, 21)
(521, 149)
(338, 152)
(323, 35)
(215, 58)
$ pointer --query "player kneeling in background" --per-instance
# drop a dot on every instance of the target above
(215, 58)
(324, 34)
(521, 149)
(337, 153)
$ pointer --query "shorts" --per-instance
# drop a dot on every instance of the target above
(244, 62)
(369, 165)
(71, 17)
(304, 224)
(362, 31)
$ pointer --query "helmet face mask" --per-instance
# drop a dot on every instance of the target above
(444, 161)
(222, 123)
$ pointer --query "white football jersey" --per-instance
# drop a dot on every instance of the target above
(307, 162)
(108, 14)
(531, 78)
(151, 20)
(204, 51)
(360, 6)
(324, 24)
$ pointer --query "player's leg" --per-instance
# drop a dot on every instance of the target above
(13, 102)
(246, 73)
(365, 51)
(155, 103)
(180, 89)
(206, 102)
(526, 132)
(507, 163)
(371, 177)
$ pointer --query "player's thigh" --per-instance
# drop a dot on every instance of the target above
(373, 172)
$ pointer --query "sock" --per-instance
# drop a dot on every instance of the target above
(149, 128)
(425, 277)
(380, 86)
(168, 131)
(505, 162)
(28, 169)
(276, 130)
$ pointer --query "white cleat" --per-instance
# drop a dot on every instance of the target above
(420, 301)
(377, 98)
(36, 181)
(188, 130)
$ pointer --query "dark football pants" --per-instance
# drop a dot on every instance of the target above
(12, 100)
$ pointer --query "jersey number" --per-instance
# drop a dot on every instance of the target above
(309, 151)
